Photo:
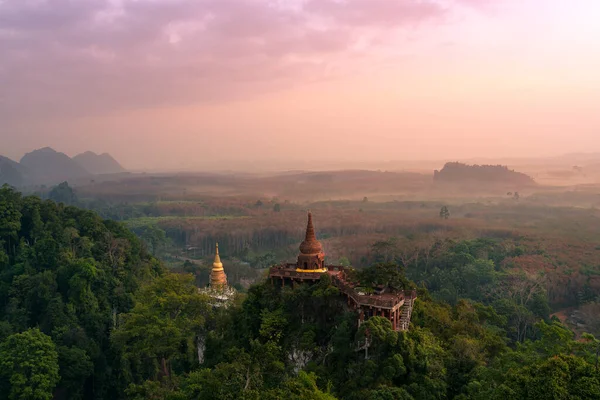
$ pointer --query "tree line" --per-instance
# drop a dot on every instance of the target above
(87, 312)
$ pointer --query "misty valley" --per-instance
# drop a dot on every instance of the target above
(471, 282)
(299, 200)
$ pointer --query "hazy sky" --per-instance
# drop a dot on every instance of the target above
(188, 83)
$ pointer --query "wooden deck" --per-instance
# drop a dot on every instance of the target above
(386, 301)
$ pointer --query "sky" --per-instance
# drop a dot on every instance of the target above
(197, 84)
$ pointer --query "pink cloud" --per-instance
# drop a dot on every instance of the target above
(67, 56)
(360, 13)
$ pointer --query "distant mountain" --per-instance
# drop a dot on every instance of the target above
(481, 174)
(12, 172)
(49, 166)
(98, 164)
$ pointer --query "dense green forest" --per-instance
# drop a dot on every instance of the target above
(86, 311)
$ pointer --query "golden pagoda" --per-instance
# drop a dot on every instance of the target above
(218, 279)
(218, 291)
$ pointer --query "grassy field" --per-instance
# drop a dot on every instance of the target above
(135, 223)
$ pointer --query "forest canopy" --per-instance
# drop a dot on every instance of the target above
(86, 311)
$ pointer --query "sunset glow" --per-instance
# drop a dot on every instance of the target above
(175, 84)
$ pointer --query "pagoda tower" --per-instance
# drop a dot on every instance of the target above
(311, 257)
(218, 279)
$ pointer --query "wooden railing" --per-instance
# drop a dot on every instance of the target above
(379, 301)
(369, 300)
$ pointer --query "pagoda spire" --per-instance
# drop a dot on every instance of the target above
(217, 263)
(310, 245)
(311, 257)
(310, 230)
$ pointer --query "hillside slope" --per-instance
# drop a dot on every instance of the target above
(98, 164)
(11, 172)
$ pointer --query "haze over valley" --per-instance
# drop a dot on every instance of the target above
(299, 199)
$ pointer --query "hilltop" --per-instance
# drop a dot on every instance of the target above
(98, 164)
(49, 166)
(455, 172)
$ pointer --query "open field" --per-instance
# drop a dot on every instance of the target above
(259, 219)
(135, 223)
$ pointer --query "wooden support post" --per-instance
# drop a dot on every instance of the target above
(361, 316)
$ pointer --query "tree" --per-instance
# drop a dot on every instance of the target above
(155, 237)
(69, 273)
(168, 316)
(303, 387)
(263, 260)
(593, 344)
(560, 377)
(29, 366)
(385, 250)
(63, 193)
(383, 393)
(378, 335)
(386, 274)
(344, 262)
(277, 207)
(444, 212)
(408, 251)
(10, 217)
(75, 368)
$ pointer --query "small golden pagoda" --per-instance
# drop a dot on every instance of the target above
(219, 292)
(218, 279)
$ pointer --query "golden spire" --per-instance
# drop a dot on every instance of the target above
(217, 264)
(218, 279)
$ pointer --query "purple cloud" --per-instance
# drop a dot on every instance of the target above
(375, 12)
(73, 56)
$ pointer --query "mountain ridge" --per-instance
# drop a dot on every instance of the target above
(99, 164)
(48, 167)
